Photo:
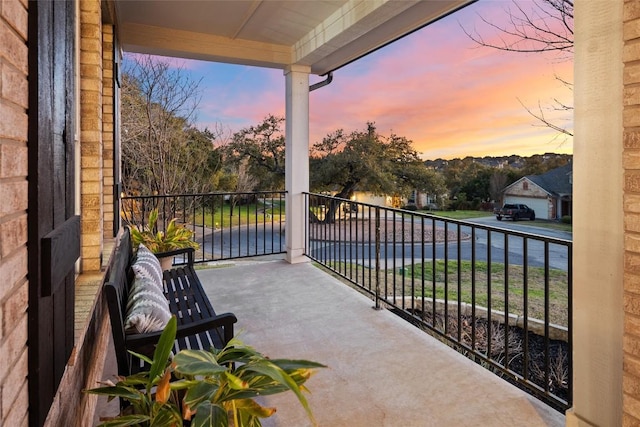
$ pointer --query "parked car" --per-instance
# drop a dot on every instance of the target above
(515, 212)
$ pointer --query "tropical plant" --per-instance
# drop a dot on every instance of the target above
(176, 236)
(205, 388)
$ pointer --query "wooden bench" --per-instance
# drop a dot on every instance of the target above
(199, 327)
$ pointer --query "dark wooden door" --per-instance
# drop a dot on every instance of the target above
(54, 231)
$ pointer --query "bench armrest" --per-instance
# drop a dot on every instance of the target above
(189, 251)
(225, 320)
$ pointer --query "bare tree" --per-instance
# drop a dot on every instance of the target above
(497, 182)
(547, 26)
(162, 152)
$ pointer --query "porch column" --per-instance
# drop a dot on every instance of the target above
(598, 224)
(297, 159)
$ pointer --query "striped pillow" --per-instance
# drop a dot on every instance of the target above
(147, 266)
(147, 307)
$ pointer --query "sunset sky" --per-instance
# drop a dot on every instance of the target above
(436, 87)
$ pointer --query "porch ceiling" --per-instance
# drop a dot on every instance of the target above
(323, 35)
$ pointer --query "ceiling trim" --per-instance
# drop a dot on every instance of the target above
(142, 38)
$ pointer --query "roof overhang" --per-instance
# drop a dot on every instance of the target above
(322, 35)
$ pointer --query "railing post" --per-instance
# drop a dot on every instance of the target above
(377, 227)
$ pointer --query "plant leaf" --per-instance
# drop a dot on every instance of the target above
(197, 362)
(200, 392)
(117, 391)
(167, 415)
(210, 415)
(279, 375)
(235, 382)
(252, 407)
(163, 349)
(127, 420)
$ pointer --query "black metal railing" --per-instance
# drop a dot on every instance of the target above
(225, 225)
(501, 297)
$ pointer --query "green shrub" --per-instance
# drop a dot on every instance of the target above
(566, 219)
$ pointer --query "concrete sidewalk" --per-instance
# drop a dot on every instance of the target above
(381, 370)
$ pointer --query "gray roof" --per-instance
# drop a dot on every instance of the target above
(556, 181)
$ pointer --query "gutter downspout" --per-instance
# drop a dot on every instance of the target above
(323, 83)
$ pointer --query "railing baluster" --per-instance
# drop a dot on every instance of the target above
(326, 242)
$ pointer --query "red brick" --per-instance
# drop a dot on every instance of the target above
(14, 48)
(13, 345)
(14, 383)
(13, 270)
(15, 14)
(631, 138)
(631, 30)
(632, 283)
(14, 86)
(14, 235)
(13, 160)
(631, 114)
(15, 307)
(14, 122)
(17, 414)
(13, 196)
(630, 11)
(632, 242)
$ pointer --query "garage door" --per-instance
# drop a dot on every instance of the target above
(540, 206)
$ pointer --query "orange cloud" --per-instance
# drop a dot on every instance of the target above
(435, 87)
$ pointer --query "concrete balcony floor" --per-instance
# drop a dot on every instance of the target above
(381, 370)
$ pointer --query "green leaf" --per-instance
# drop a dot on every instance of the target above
(279, 375)
(252, 407)
(117, 391)
(235, 383)
(163, 349)
(166, 415)
(210, 415)
(141, 357)
(197, 362)
(290, 365)
(127, 420)
(200, 392)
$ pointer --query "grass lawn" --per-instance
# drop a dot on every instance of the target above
(408, 281)
(242, 214)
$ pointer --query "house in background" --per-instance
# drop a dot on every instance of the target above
(549, 194)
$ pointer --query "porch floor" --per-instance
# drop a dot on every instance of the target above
(381, 370)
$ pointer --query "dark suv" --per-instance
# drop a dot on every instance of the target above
(516, 212)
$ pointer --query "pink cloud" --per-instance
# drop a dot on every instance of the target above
(440, 90)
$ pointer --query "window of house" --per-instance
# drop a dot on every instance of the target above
(525, 185)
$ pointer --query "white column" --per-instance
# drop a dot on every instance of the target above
(297, 159)
(598, 229)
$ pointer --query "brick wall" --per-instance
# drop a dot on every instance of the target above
(107, 129)
(91, 147)
(631, 162)
(13, 216)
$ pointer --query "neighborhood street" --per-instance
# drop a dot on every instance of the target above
(240, 243)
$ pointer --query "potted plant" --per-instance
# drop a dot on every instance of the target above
(205, 388)
(176, 236)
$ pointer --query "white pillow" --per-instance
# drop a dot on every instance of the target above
(147, 266)
(147, 307)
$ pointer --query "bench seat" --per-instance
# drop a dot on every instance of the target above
(199, 327)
